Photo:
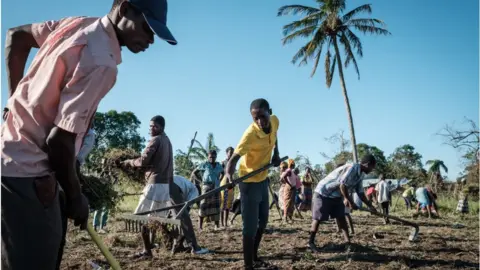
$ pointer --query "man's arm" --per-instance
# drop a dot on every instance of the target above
(146, 158)
(231, 165)
(61, 156)
(18, 43)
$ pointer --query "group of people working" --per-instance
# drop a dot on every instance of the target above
(50, 110)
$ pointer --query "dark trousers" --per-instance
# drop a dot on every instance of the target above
(31, 223)
(186, 226)
(255, 207)
(63, 206)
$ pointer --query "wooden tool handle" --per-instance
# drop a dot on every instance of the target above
(96, 239)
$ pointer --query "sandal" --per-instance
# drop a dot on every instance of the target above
(142, 255)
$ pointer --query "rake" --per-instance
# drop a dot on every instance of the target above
(416, 229)
(134, 222)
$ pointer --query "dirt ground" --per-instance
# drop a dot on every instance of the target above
(439, 246)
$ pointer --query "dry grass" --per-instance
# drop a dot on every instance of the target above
(439, 247)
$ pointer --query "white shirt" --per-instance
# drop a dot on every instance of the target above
(189, 190)
(382, 189)
(87, 146)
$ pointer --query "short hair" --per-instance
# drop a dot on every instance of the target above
(116, 3)
(368, 159)
(260, 103)
(211, 152)
(229, 149)
(158, 119)
(381, 176)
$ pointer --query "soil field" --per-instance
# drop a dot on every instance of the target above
(439, 246)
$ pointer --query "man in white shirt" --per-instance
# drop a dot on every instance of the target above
(182, 190)
(383, 197)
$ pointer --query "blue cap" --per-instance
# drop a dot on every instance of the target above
(155, 12)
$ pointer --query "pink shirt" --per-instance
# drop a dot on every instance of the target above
(75, 67)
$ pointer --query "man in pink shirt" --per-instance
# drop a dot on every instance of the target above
(49, 111)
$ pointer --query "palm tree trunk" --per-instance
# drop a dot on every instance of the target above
(347, 103)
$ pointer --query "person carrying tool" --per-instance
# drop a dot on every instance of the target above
(255, 148)
(157, 158)
(383, 196)
(182, 190)
(332, 194)
(226, 196)
(210, 206)
(49, 110)
(424, 201)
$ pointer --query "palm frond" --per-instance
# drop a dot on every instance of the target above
(444, 167)
(363, 8)
(366, 22)
(371, 30)
(302, 33)
(300, 24)
(355, 41)
(315, 44)
(317, 60)
(329, 68)
(349, 53)
(296, 9)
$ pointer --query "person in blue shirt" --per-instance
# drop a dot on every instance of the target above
(210, 206)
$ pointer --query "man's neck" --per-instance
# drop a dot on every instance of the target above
(112, 19)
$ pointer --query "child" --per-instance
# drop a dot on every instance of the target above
(256, 146)
(462, 206)
(226, 195)
(383, 196)
(210, 206)
(307, 181)
(332, 194)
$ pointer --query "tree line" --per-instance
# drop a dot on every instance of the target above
(121, 130)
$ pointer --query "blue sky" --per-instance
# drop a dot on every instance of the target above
(412, 83)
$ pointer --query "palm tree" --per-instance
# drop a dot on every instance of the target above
(436, 166)
(435, 171)
(327, 26)
(199, 152)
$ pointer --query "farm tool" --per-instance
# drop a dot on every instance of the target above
(96, 239)
(135, 221)
(413, 234)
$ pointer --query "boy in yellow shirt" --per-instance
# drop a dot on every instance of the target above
(256, 146)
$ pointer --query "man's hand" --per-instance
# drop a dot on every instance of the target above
(276, 160)
(78, 210)
(229, 177)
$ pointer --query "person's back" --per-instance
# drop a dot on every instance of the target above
(382, 192)
(409, 192)
(421, 195)
(189, 190)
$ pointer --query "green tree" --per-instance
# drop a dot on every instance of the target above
(199, 152)
(183, 165)
(328, 27)
(382, 164)
(115, 130)
(405, 162)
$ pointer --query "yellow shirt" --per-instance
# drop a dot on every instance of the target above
(256, 149)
